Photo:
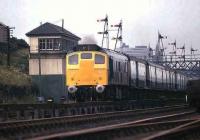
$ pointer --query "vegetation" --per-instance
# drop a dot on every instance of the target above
(13, 77)
(15, 83)
(18, 54)
(16, 86)
(18, 43)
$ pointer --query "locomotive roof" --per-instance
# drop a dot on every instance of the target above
(87, 47)
(95, 47)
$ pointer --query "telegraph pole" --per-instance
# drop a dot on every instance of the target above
(8, 44)
(8, 48)
(40, 90)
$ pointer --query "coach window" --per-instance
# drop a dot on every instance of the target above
(99, 59)
(119, 66)
(73, 59)
(126, 67)
(86, 56)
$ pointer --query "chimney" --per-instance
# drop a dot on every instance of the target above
(62, 24)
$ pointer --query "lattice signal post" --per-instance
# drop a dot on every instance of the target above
(189, 64)
(105, 32)
(119, 34)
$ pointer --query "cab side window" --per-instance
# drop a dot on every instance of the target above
(73, 59)
(99, 59)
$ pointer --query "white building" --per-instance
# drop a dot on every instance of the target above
(142, 52)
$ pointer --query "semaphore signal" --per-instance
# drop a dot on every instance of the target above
(119, 34)
(105, 32)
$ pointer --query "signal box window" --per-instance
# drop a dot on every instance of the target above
(42, 44)
(49, 43)
(73, 59)
(86, 56)
(99, 59)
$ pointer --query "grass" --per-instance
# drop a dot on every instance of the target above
(13, 77)
(25, 99)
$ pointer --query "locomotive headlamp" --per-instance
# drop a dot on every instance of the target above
(72, 89)
(50, 100)
(100, 88)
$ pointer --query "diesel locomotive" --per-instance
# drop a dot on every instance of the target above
(95, 73)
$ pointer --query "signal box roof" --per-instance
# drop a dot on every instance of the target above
(49, 29)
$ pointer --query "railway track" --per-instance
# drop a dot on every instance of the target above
(187, 131)
(140, 130)
(123, 132)
(13, 112)
(39, 127)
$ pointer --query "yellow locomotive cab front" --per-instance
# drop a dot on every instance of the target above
(87, 68)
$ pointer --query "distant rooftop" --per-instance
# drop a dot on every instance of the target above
(2, 24)
(142, 52)
(140, 46)
(49, 29)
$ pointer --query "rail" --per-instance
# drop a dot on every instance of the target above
(13, 112)
(46, 126)
(187, 131)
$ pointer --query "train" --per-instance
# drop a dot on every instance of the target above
(193, 90)
(96, 73)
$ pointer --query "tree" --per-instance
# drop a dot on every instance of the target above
(18, 43)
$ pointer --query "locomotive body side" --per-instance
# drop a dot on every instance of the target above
(118, 69)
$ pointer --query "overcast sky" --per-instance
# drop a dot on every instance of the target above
(178, 19)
